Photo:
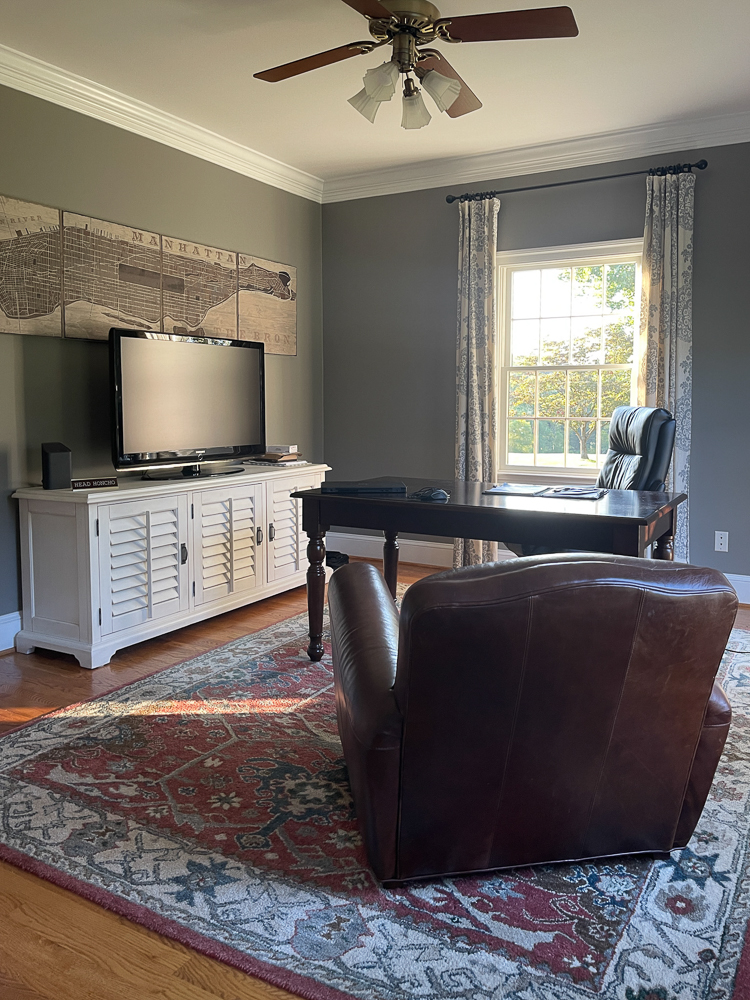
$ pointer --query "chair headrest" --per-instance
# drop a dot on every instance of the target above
(633, 430)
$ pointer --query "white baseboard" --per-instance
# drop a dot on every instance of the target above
(409, 550)
(9, 625)
(742, 585)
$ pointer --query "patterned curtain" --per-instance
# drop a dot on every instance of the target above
(666, 334)
(476, 409)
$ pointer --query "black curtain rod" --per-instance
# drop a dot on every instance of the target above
(675, 168)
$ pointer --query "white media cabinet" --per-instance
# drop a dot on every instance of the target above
(103, 569)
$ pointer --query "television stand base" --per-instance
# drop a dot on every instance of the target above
(106, 568)
(192, 472)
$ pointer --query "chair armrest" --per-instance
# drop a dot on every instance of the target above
(710, 745)
(364, 633)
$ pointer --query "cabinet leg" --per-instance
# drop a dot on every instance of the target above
(316, 589)
(390, 561)
(91, 659)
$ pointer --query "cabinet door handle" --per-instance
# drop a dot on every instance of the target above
(258, 535)
(183, 554)
(271, 532)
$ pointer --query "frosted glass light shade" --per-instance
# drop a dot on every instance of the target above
(442, 89)
(365, 105)
(380, 82)
(415, 113)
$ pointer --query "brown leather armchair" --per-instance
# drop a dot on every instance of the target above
(552, 708)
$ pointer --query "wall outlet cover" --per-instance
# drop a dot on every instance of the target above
(721, 541)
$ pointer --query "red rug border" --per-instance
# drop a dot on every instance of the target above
(742, 979)
(293, 982)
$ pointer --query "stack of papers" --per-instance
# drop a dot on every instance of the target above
(517, 489)
(534, 490)
(577, 492)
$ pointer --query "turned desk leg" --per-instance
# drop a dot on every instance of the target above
(664, 547)
(390, 561)
(316, 590)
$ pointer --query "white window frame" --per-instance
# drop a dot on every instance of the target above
(612, 251)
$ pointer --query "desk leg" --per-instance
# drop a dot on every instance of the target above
(664, 544)
(316, 590)
(390, 561)
(664, 547)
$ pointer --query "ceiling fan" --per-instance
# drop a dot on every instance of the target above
(410, 27)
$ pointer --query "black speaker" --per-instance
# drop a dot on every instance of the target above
(56, 466)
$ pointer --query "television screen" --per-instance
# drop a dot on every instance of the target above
(181, 400)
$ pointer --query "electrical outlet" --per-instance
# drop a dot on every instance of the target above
(721, 541)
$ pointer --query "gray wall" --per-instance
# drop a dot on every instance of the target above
(53, 390)
(390, 272)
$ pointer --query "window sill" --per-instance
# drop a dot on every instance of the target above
(545, 477)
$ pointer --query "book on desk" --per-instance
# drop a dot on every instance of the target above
(382, 485)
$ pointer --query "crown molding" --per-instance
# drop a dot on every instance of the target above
(33, 76)
(625, 144)
(23, 72)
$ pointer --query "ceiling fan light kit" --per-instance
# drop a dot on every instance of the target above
(380, 83)
(415, 113)
(365, 104)
(411, 25)
(442, 89)
(380, 86)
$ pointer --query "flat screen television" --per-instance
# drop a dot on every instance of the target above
(181, 401)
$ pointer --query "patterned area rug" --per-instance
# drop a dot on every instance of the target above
(210, 802)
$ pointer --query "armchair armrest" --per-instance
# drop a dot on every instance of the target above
(364, 633)
(710, 745)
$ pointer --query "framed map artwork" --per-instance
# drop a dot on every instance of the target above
(63, 274)
(29, 268)
(199, 288)
(268, 304)
(112, 277)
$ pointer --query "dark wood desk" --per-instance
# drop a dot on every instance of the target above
(622, 522)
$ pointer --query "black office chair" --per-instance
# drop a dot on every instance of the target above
(641, 440)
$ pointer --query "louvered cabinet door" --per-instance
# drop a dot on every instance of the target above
(143, 561)
(225, 541)
(286, 554)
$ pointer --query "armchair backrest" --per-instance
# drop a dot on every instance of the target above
(552, 708)
(641, 439)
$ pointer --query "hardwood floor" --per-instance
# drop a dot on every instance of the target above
(56, 945)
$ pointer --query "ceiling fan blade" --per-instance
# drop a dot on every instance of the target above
(544, 22)
(466, 101)
(314, 62)
(370, 8)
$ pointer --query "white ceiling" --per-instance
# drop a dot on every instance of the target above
(636, 63)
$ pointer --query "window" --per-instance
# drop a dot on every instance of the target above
(567, 320)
